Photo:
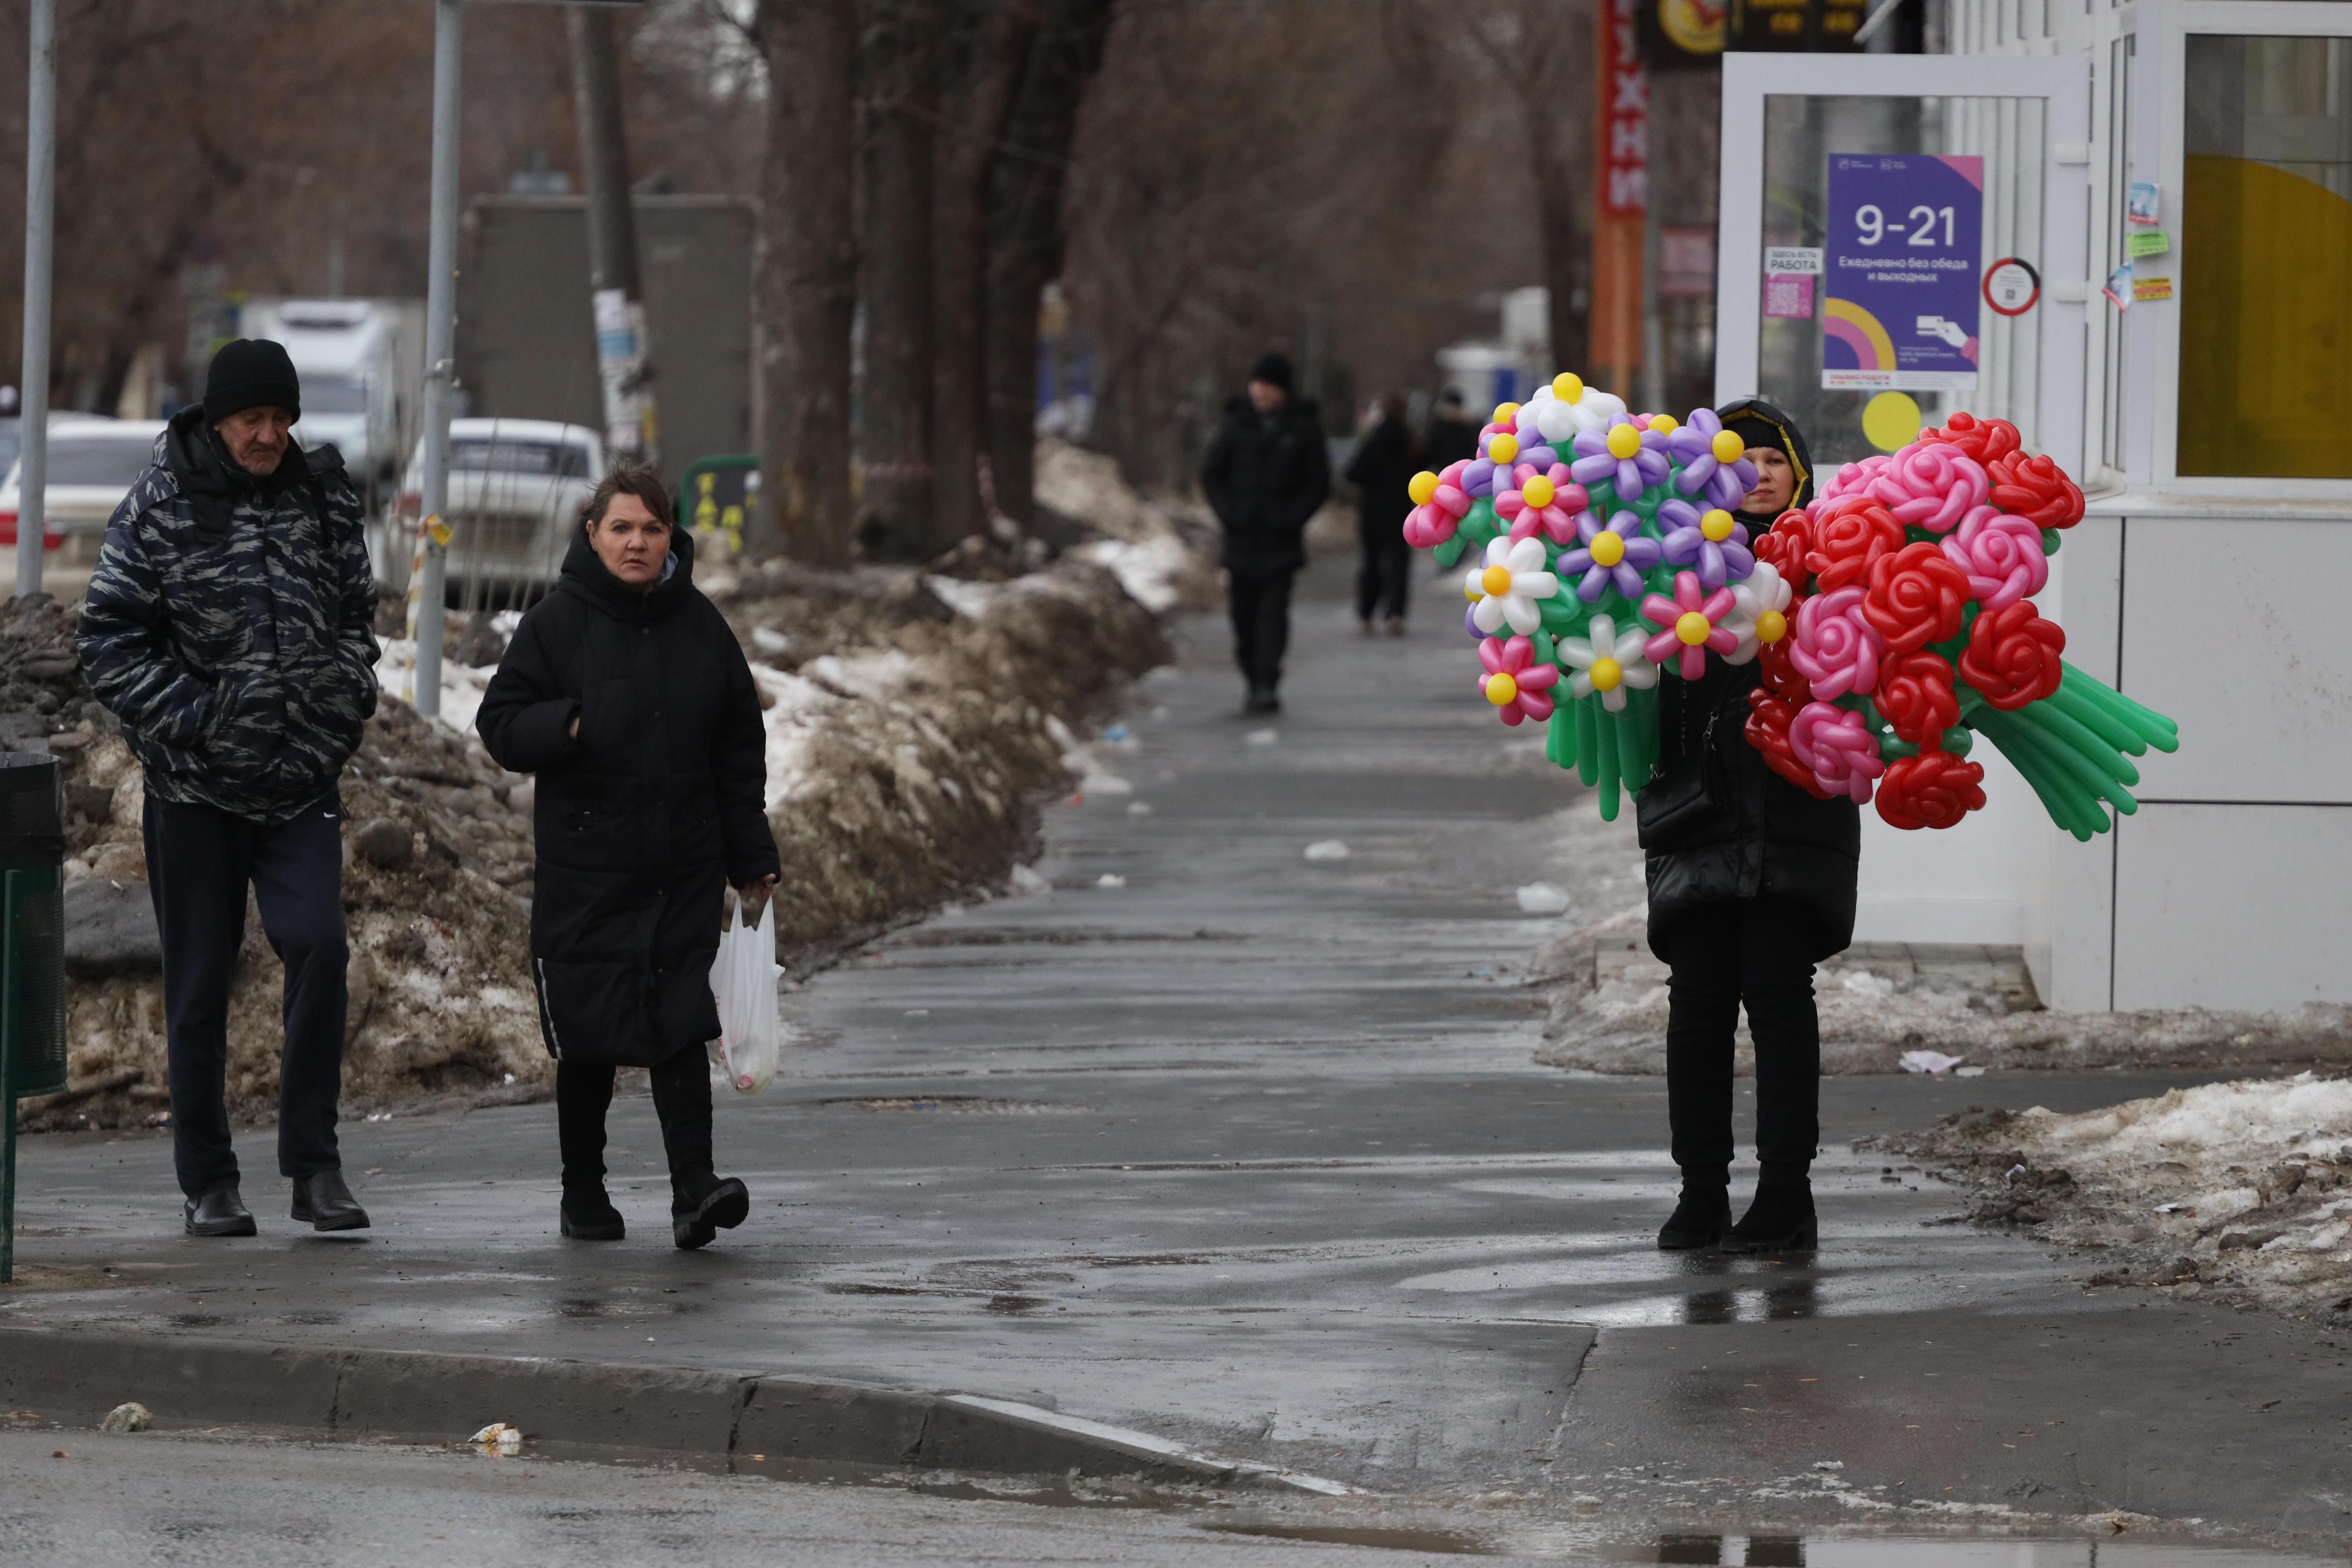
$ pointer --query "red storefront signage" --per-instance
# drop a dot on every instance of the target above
(1624, 113)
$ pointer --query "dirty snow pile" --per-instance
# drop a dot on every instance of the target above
(2242, 1187)
(914, 722)
(1607, 998)
(1162, 550)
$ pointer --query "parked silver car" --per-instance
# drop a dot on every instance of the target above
(516, 488)
(93, 463)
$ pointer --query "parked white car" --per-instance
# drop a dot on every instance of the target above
(516, 488)
(93, 463)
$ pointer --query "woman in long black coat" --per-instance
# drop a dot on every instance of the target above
(627, 694)
(1746, 896)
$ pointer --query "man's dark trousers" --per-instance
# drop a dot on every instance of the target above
(199, 859)
(1261, 608)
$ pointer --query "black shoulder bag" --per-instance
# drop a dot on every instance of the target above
(1683, 797)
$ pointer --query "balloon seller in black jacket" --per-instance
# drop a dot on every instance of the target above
(1744, 900)
(1265, 475)
(626, 693)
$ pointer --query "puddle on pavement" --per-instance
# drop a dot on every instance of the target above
(1776, 1549)
(1446, 1543)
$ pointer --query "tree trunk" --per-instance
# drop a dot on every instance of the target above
(807, 282)
(982, 82)
(1024, 232)
(894, 501)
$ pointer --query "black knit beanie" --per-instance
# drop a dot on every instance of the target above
(251, 373)
(1274, 369)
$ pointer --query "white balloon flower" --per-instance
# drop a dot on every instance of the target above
(1608, 663)
(1759, 612)
(1506, 589)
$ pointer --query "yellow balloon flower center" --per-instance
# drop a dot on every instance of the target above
(1665, 423)
(1624, 441)
(1496, 581)
(1422, 486)
(1716, 524)
(1606, 675)
(1693, 627)
(1567, 386)
(1538, 492)
(1501, 688)
(1771, 627)
(1502, 447)
(1607, 549)
(1728, 446)
(1507, 413)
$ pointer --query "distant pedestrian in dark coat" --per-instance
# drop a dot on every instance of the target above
(1452, 435)
(1748, 892)
(229, 627)
(1384, 464)
(1265, 475)
(627, 694)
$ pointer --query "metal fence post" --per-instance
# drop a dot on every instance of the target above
(40, 243)
(440, 347)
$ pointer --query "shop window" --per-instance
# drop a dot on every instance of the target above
(2265, 242)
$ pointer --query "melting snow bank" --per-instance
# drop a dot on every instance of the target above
(1607, 997)
(2241, 1188)
(914, 725)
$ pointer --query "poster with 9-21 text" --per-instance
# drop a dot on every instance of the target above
(1904, 249)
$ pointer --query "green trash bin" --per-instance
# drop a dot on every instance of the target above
(31, 956)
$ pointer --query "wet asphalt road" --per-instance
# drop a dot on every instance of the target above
(1250, 1152)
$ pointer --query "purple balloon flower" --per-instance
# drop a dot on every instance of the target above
(1617, 553)
(1648, 465)
(1693, 445)
(1687, 544)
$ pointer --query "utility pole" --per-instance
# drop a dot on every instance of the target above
(630, 430)
(41, 242)
(440, 351)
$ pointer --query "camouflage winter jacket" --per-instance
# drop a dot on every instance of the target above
(229, 625)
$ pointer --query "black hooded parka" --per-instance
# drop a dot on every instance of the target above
(641, 821)
(1766, 836)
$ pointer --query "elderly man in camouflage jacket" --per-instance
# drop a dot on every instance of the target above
(229, 627)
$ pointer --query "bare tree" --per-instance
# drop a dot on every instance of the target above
(1023, 227)
(982, 73)
(901, 109)
(806, 288)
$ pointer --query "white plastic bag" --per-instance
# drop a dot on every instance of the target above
(744, 979)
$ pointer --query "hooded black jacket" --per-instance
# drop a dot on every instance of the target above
(1265, 475)
(1765, 836)
(229, 625)
(641, 821)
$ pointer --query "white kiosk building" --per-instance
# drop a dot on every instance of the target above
(2177, 175)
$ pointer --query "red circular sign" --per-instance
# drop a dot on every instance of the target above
(2011, 286)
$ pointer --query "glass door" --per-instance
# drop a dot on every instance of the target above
(1893, 255)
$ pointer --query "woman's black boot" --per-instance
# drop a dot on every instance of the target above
(1779, 1220)
(588, 1215)
(703, 1203)
(1699, 1220)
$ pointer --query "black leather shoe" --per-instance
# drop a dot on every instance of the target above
(1779, 1220)
(327, 1204)
(590, 1217)
(218, 1213)
(724, 1206)
(1699, 1220)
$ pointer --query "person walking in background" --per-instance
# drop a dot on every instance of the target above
(1389, 455)
(1751, 883)
(229, 625)
(1265, 475)
(626, 693)
(1452, 435)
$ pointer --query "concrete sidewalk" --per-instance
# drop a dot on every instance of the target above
(1248, 1155)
